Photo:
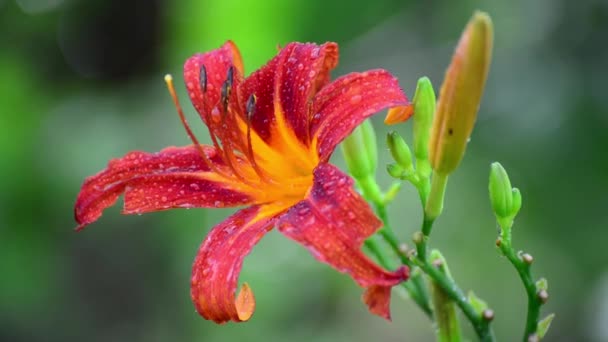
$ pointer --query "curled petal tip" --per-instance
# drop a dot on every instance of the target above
(245, 303)
(399, 114)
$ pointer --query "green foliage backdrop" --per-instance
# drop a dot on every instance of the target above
(82, 82)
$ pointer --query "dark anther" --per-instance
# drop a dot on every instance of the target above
(227, 87)
(203, 78)
(250, 106)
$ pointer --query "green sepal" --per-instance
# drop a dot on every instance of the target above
(542, 284)
(544, 325)
(478, 304)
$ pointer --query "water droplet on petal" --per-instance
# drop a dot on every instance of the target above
(355, 99)
(215, 115)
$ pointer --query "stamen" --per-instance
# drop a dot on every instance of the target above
(250, 108)
(180, 112)
(203, 78)
(226, 88)
(208, 123)
(229, 156)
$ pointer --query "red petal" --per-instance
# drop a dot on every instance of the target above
(346, 102)
(208, 102)
(378, 300)
(218, 263)
(333, 222)
(296, 74)
(171, 178)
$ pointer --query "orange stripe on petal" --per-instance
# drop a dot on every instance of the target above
(171, 178)
(343, 104)
(332, 223)
(218, 264)
(297, 72)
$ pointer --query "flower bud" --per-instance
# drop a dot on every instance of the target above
(460, 95)
(400, 151)
(424, 109)
(501, 194)
(506, 201)
(360, 151)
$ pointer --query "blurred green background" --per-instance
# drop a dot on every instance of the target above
(81, 81)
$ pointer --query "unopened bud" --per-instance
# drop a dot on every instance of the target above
(460, 95)
(360, 151)
(506, 201)
(424, 109)
(400, 151)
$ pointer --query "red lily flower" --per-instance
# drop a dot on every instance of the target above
(273, 133)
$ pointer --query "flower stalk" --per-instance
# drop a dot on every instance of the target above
(506, 203)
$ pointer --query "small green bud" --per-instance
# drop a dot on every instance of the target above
(360, 151)
(506, 201)
(544, 325)
(395, 171)
(477, 303)
(500, 190)
(516, 201)
(400, 151)
(424, 109)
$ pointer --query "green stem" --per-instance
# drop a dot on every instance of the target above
(523, 269)
(414, 290)
(415, 286)
(448, 325)
(420, 293)
(481, 326)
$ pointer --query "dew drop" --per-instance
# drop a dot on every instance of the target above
(215, 115)
(355, 99)
(315, 53)
(217, 204)
(300, 66)
(194, 186)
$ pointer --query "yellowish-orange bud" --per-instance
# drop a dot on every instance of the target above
(460, 95)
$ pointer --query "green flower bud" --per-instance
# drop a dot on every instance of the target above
(501, 193)
(506, 201)
(424, 109)
(516, 201)
(395, 170)
(400, 151)
(360, 151)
